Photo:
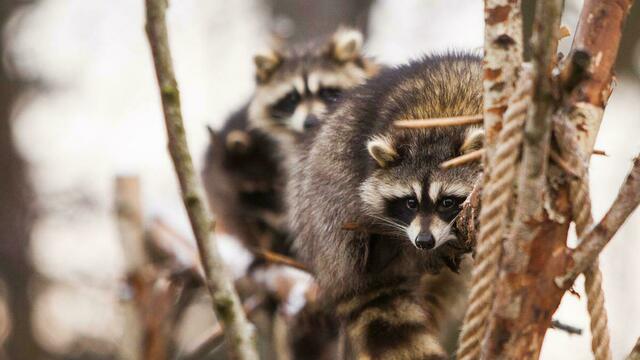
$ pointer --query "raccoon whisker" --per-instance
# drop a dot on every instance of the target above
(393, 224)
(444, 231)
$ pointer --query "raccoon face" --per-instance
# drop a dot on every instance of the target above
(295, 87)
(408, 193)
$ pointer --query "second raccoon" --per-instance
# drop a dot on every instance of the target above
(296, 85)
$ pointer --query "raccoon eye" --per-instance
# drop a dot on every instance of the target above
(329, 94)
(447, 203)
(288, 103)
(412, 203)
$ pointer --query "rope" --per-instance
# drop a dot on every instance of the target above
(581, 213)
(493, 216)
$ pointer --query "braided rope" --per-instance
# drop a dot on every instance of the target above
(581, 213)
(493, 215)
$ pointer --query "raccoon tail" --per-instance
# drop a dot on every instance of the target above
(390, 323)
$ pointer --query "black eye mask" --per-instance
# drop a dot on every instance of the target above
(286, 105)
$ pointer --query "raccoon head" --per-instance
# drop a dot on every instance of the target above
(408, 193)
(295, 86)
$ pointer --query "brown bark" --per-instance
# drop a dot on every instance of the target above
(536, 252)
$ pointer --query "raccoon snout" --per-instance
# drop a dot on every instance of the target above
(425, 241)
(310, 122)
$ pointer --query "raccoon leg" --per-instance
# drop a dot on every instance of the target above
(391, 323)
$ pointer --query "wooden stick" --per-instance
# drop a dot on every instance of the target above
(464, 159)
(439, 122)
(240, 334)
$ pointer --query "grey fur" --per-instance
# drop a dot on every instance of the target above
(324, 189)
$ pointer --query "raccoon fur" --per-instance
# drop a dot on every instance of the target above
(361, 169)
(244, 181)
(296, 85)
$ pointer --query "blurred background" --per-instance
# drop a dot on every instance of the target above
(79, 105)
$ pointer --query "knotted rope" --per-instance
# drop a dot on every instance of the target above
(493, 217)
(582, 217)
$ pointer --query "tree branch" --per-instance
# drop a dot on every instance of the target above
(635, 352)
(239, 333)
(129, 214)
(595, 240)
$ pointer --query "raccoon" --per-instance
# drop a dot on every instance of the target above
(244, 181)
(361, 169)
(295, 86)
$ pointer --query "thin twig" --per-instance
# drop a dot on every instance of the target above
(239, 332)
(597, 238)
(439, 122)
(278, 259)
(464, 159)
(571, 330)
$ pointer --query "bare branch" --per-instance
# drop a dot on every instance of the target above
(129, 213)
(439, 122)
(595, 240)
(239, 332)
(571, 330)
(278, 259)
(535, 152)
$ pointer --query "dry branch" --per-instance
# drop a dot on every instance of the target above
(597, 238)
(278, 259)
(572, 330)
(239, 333)
(439, 122)
(129, 215)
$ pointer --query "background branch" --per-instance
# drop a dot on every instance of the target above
(239, 333)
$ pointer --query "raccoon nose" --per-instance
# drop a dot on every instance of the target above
(311, 121)
(425, 241)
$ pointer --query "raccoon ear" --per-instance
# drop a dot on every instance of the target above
(382, 151)
(266, 63)
(346, 45)
(238, 141)
(474, 140)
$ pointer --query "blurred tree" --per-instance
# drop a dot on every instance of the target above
(16, 219)
(630, 44)
(301, 20)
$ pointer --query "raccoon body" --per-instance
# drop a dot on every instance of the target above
(361, 169)
(244, 181)
(295, 86)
